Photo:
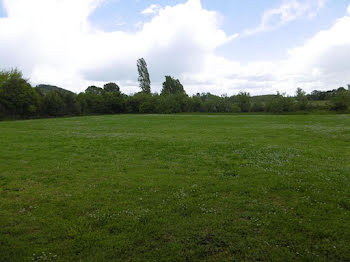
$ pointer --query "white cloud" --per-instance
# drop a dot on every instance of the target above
(43, 38)
(120, 23)
(289, 11)
(325, 57)
(169, 45)
(320, 63)
(348, 10)
(151, 10)
(53, 42)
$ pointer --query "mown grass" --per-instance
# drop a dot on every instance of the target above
(176, 188)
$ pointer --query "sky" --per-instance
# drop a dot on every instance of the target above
(222, 47)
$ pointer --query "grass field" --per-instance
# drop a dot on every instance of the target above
(176, 188)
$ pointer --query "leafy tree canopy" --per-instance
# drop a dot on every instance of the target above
(17, 97)
(244, 102)
(301, 98)
(111, 87)
(94, 90)
(172, 86)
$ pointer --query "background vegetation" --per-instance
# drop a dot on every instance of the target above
(19, 100)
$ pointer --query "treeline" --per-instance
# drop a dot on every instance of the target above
(18, 99)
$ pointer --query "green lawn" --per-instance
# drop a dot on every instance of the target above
(176, 188)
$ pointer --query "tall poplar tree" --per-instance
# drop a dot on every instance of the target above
(145, 82)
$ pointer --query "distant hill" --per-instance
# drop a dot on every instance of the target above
(44, 89)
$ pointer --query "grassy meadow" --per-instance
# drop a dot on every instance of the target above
(176, 188)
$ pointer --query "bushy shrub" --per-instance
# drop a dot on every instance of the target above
(17, 97)
(341, 101)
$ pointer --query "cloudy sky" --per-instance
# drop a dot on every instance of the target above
(221, 47)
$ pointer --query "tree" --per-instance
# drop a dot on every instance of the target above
(257, 106)
(72, 105)
(317, 95)
(111, 87)
(53, 104)
(94, 90)
(195, 104)
(244, 103)
(301, 99)
(170, 104)
(17, 97)
(342, 100)
(280, 103)
(5, 75)
(172, 86)
(145, 82)
(92, 103)
(114, 103)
